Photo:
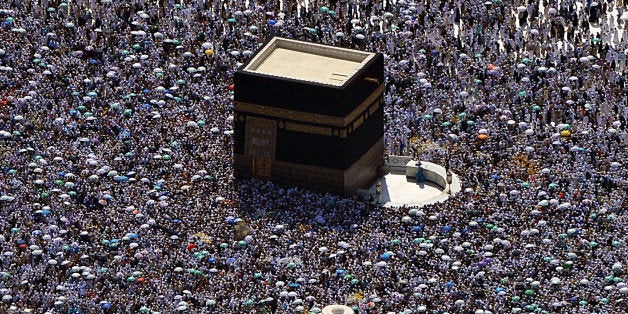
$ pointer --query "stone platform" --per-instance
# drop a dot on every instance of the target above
(400, 188)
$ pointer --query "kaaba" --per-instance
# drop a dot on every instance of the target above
(310, 115)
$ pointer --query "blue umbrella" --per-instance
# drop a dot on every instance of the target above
(46, 212)
(272, 22)
(212, 260)
(340, 272)
(446, 228)
(418, 228)
(386, 256)
(449, 284)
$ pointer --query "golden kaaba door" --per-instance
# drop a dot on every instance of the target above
(260, 145)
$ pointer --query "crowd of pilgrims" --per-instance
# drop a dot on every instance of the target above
(117, 192)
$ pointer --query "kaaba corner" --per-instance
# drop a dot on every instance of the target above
(310, 115)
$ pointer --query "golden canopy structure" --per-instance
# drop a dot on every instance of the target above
(310, 115)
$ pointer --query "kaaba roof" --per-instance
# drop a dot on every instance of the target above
(297, 60)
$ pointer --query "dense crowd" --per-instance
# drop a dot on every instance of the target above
(117, 192)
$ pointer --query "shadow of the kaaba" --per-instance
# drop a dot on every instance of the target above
(297, 207)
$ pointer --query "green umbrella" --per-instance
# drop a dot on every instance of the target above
(477, 81)
(552, 186)
(131, 279)
(354, 281)
(136, 46)
(529, 292)
(418, 240)
(51, 9)
(490, 226)
(231, 20)
(470, 122)
(125, 52)
(522, 94)
(292, 265)
(127, 112)
(88, 114)
(582, 302)
(516, 298)
(12, 171)
(17, 133)
(312, 30)
(478, 55)
(422, 51)
(144, 309)
(44, 194)
(331, 12)
(462, 115)
(324, 9)
(596, 40)
(395, 241)
(525, 60)
(604, 300)
(525, 184)
(258, 275)
(348, 276)
(180, 82)
(249, 303)
(81, 108)
(242, 243)
(446, 124)
(166, 157)
(73, 193)
(59, 182)
(200, 123)
(224, 245)
(105, 242)
(75, 93)
(176, 41)
(9, 19)
(15, 230)
(536, 108)
(504, 280)
(427, 117)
